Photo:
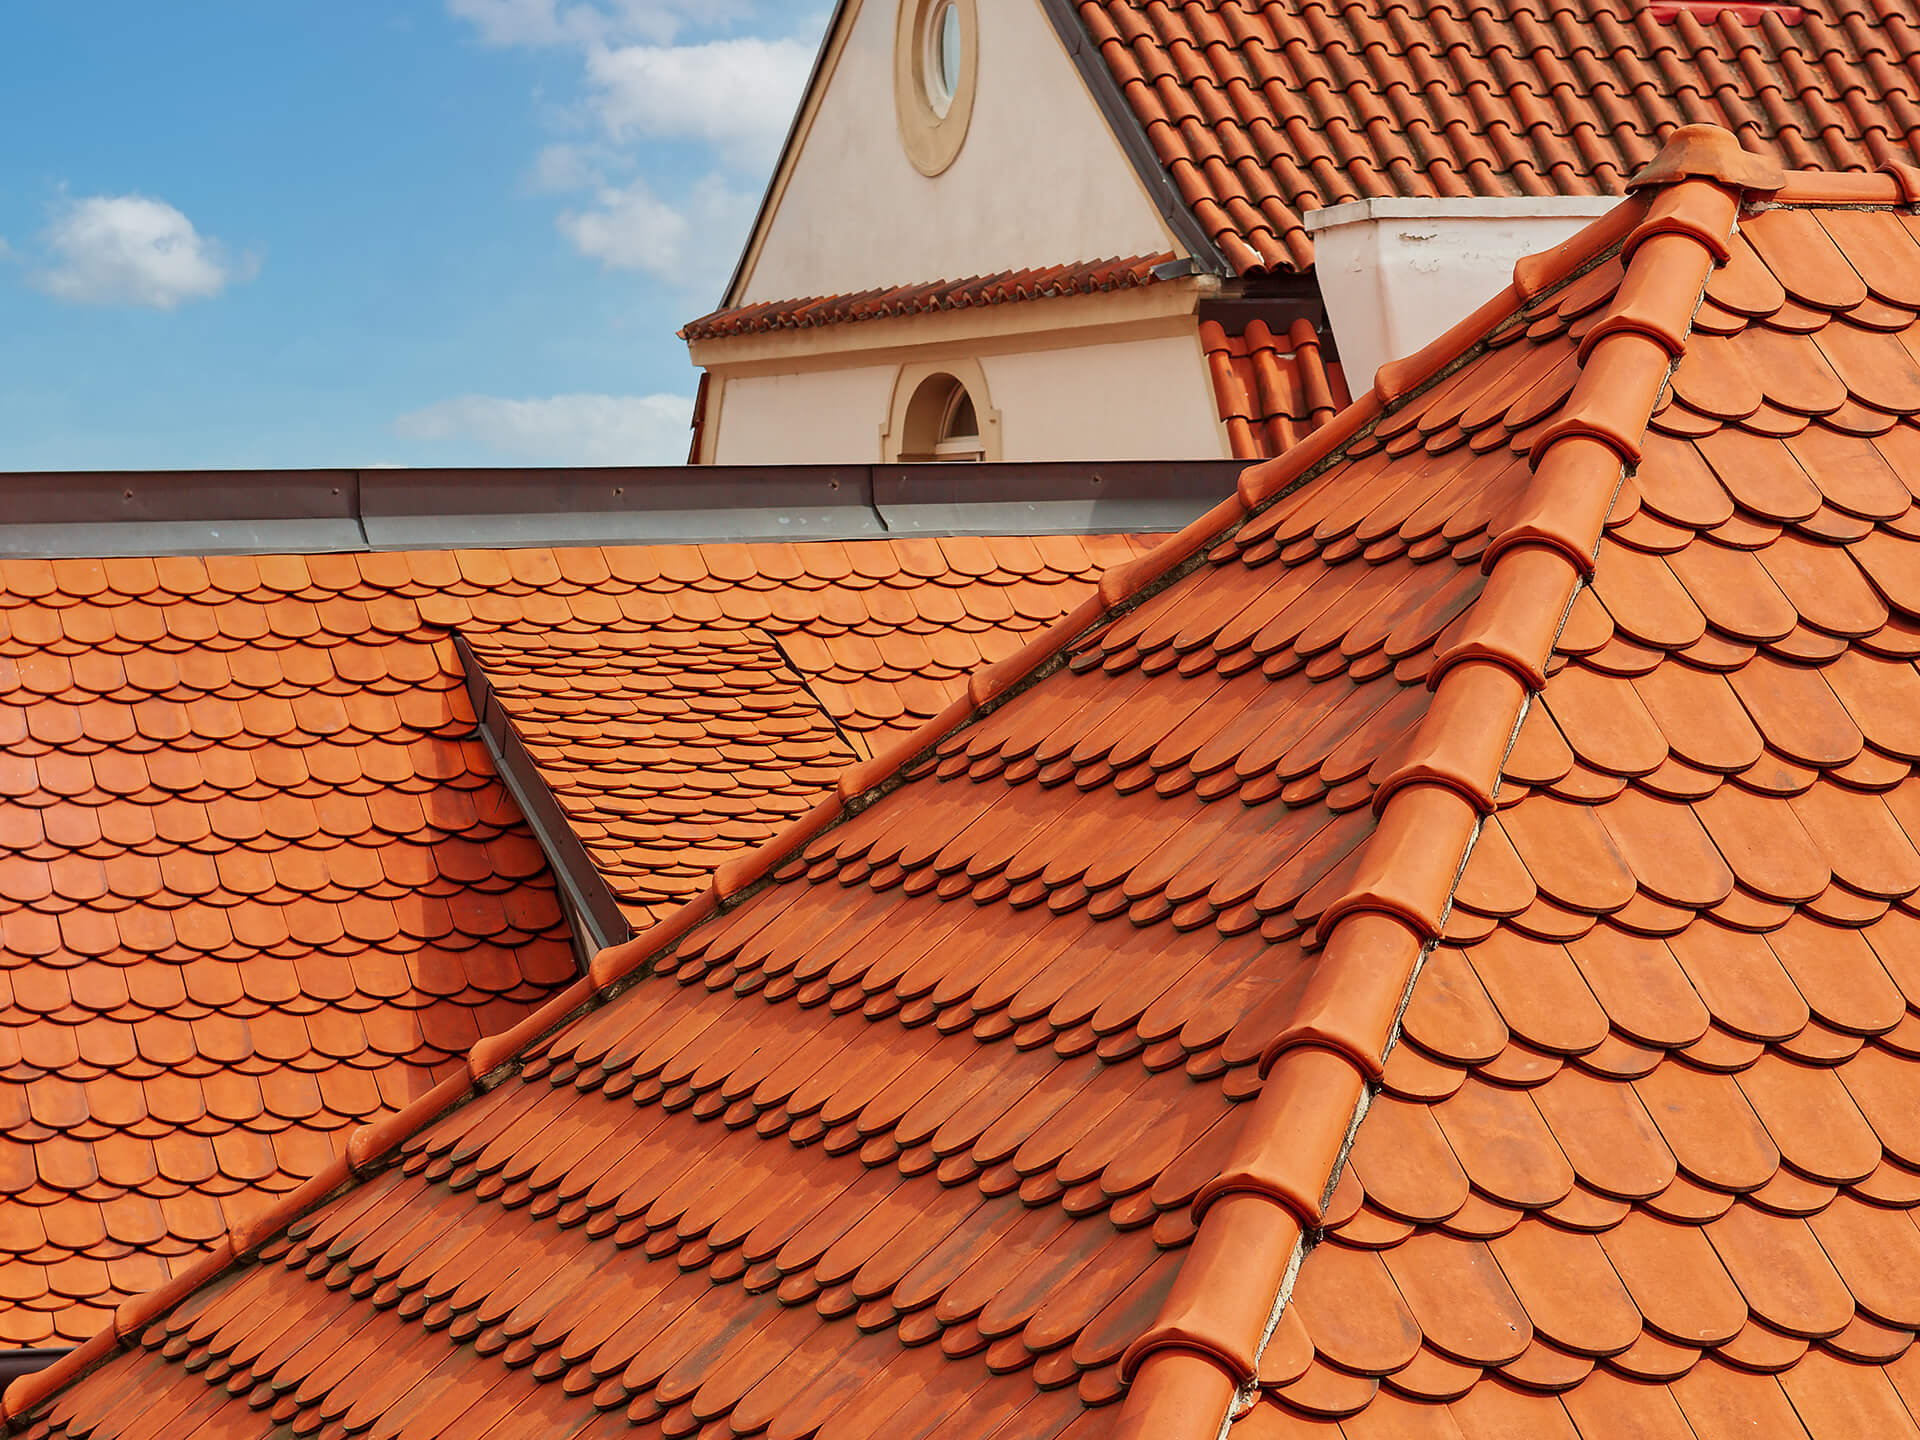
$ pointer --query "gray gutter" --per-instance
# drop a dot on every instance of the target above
(1097, 76)
(96, 514)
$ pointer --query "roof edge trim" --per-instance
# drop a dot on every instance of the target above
(1131, 136)
(585, 889)
(1463, 207)
(781, 165)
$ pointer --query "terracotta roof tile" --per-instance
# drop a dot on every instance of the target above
(1045, 1038)
(675, 734)
(1260, 113)
(1007, 287)
(1271, 390)
(259, 883)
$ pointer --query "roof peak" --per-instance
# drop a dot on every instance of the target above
(1706, 152)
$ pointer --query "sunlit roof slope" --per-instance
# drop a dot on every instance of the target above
(1477, 873)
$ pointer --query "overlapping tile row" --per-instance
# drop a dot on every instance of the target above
(685, 702)
(1044, 282)
(1261, 112)
(1273, 390)
(1646, 1159)
(909, 1139)
(258, 883)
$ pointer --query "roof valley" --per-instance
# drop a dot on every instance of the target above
(1258, 1219)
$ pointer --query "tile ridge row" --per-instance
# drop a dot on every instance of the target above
(1040, 282)
(1196, 1368)
(1337, 1041)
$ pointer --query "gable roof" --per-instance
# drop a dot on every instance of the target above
(261, 881)
(1259, 113)
(1030, 1063)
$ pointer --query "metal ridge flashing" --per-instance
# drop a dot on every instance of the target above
(99, 514)
(1457, 207)
(591, 904)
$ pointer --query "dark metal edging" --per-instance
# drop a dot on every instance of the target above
(101, 514)
(15, 1363)
(590, 902)
(1132, 136)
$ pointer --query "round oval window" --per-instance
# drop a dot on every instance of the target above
(943, 72)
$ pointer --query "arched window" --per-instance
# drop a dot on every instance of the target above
(939, 415)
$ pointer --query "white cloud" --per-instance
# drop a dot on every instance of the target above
(131, 250)
(566, 167)
(552, 22)
(629, 227)
(738, 95)
(562, 429)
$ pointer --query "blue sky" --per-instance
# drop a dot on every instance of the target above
(347, 233)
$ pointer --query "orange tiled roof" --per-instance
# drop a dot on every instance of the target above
(1262, 112)
(1027, 1065)
(1273, 391)
(259, 882)
(1043, 283)
(685, 702)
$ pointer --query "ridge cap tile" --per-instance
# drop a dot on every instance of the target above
(1221, 929)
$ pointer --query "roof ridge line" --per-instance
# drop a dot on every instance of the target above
(375, 1145)
(1198, 1364)
(372, 1147)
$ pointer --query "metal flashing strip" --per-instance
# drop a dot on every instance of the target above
(1131, 136)
(1124, 497)
(1458, 207)
(590, 902)
(98, 515)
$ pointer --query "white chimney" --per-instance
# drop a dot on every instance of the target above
(1397, 273)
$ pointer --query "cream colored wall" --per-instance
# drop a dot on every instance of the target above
(1039, 181)
(1142, 399)
(1134, 400)
(820, 417)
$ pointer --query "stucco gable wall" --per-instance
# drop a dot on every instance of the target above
(1039, 181)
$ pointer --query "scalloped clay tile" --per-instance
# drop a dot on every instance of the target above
(1428, 951)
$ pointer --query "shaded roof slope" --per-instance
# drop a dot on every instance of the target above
(259, 880)
(1029, 1065)
(1261, 112)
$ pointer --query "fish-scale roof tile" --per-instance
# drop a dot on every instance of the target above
(259, 881)
(1045, 1038)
